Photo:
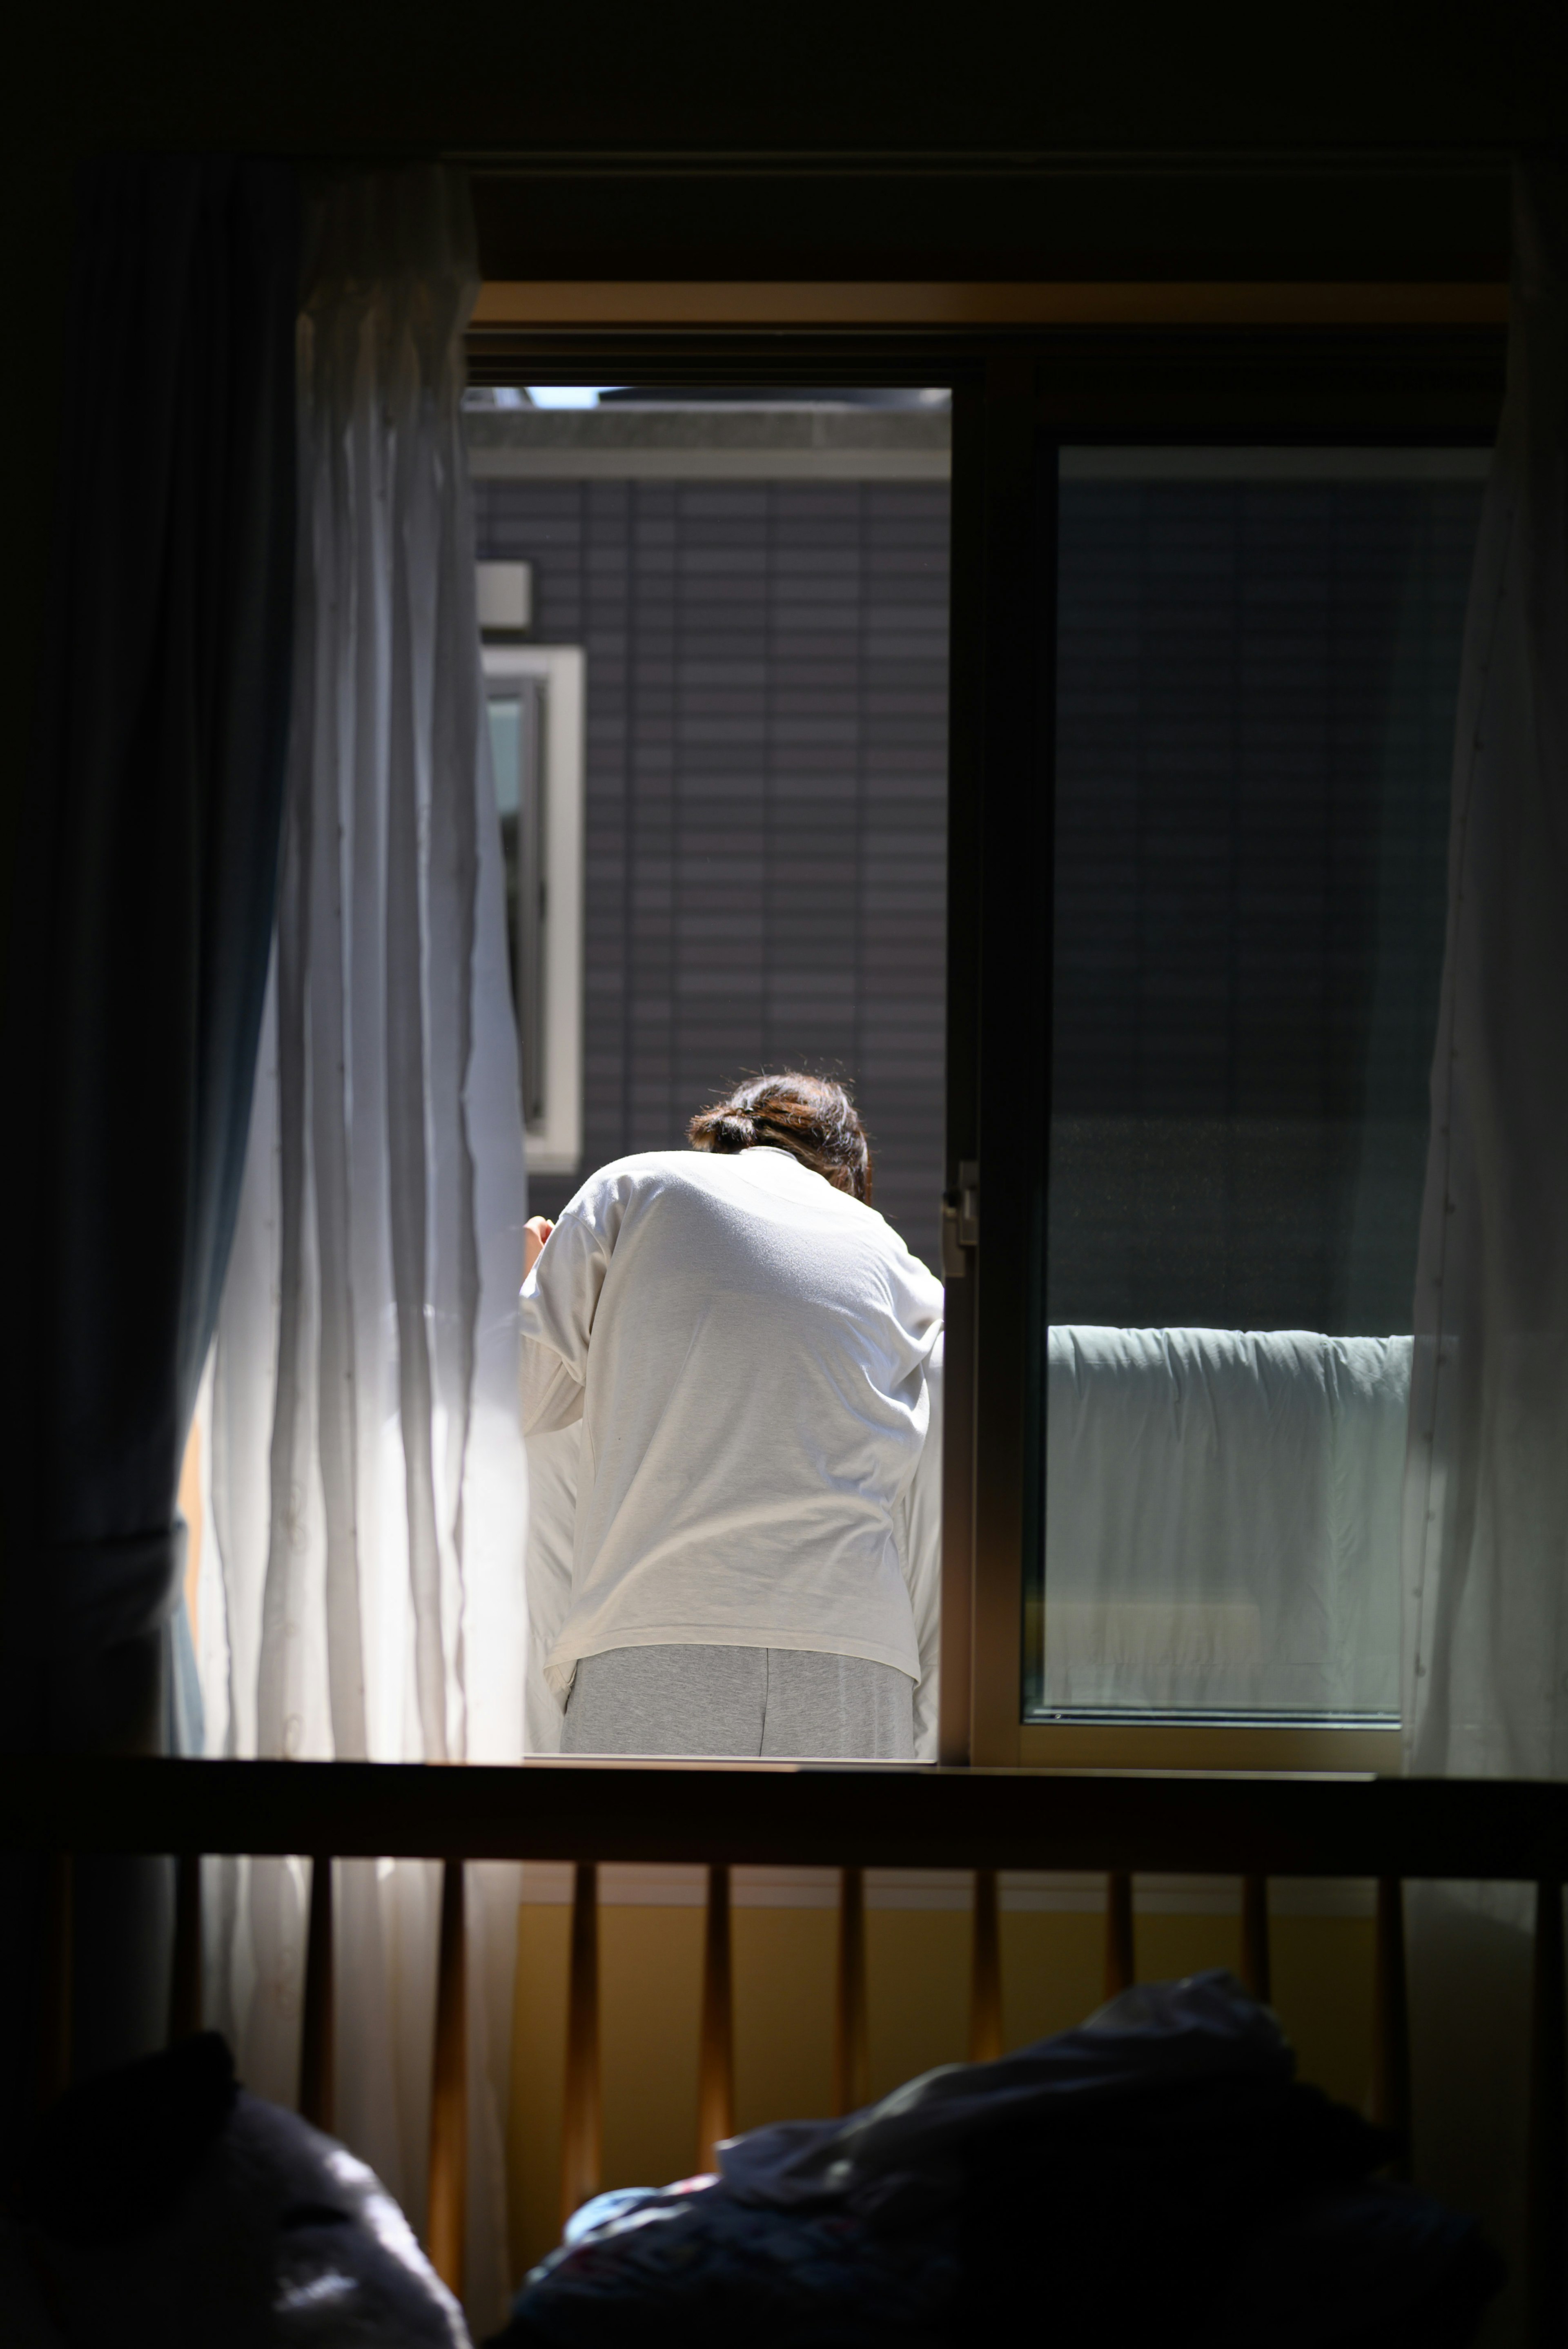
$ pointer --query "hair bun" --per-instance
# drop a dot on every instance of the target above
(813, 1118)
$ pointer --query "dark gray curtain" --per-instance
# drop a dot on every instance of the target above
(139, 937)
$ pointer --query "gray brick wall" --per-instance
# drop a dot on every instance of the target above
(766, 796)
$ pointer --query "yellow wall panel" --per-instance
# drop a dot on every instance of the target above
(1053, 1970)
(917, 1992)
(1322, 1987)
(1168, 1948)
(538, 2070)
(650, 1998)
(786, 1960)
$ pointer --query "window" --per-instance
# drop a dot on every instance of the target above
(536, 723)
(1257, 664)
(758, 587)
(1166, 541)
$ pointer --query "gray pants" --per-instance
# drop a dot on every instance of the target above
(789, 1704)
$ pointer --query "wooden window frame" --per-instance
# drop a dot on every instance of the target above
(1267, 366)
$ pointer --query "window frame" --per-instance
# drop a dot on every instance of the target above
(1402, 375)
(1190, 387)
(555, 1140)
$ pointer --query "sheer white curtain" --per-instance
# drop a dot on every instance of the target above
(362, 1588)
(1486, 1509)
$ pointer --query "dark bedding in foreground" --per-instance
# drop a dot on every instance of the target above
(1158, 2174)
(159, 2207)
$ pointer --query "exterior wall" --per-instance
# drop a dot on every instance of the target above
(767, 797)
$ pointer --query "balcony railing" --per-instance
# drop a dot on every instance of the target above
(804, 1815)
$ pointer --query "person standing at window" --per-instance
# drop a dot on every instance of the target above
(754, 1356)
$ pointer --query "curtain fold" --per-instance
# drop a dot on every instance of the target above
(147, 860)
(362, 1593)
(1486, 1498)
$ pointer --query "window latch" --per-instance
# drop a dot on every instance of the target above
(960, 1221)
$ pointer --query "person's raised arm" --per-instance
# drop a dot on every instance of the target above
(566, 1263)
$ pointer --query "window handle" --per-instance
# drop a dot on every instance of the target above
(960, 1221)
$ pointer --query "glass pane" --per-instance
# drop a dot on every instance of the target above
(505, 723)
(759, 583)
(756, 586)
(505, 712)
(1258, 657)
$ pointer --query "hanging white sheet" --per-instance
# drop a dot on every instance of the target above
(362, 1592)
(1222, 1520)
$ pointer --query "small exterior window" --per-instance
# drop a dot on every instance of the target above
(535, 704)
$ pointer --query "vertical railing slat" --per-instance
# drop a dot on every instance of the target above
(318, 2026)
(715, 2048)
(185, 1966)
(985, 1971)
(1256, 1969)
(852, 2045)
(1120, 1957)
(581, 2122)
(1391, 2022)
(447, 2210)
(1546, 2186)
(56, 1965)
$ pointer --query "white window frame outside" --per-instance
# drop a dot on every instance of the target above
(553, 1142)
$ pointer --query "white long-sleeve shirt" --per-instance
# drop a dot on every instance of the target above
(753, 1356)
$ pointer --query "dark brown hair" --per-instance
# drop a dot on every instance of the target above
(811, 1117)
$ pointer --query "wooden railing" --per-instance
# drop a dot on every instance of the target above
(726, 1814)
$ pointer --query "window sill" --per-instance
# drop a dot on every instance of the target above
(1169, 1745)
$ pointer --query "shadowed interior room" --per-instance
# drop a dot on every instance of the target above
(789, 1328)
